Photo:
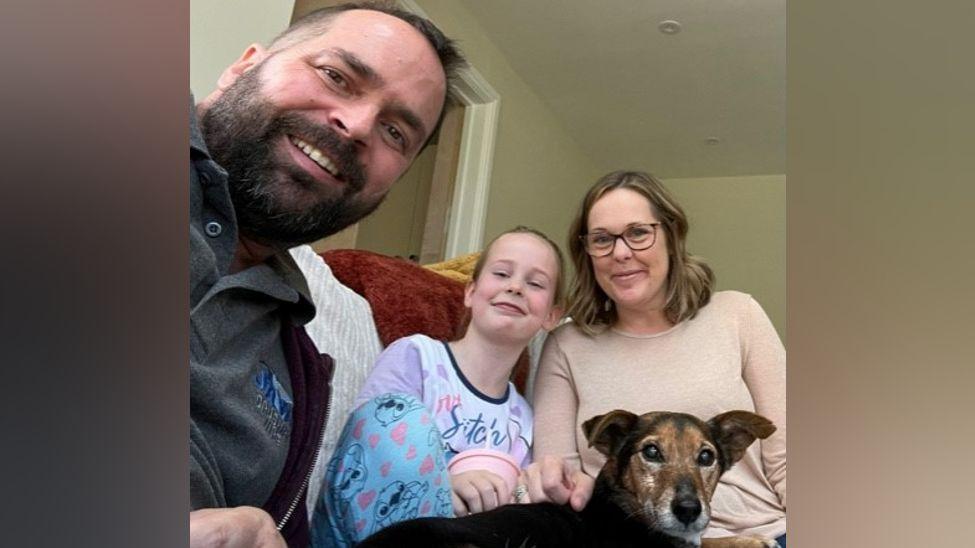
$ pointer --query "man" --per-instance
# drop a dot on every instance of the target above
(300, 140)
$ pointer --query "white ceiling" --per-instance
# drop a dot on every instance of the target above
(634, 97)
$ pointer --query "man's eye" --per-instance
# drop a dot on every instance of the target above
(396, 134)
(336, 77)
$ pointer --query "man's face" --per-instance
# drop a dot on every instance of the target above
(313, 136)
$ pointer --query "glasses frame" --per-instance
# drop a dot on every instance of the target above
(620, 236)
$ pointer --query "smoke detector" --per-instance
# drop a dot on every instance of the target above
(669, 26)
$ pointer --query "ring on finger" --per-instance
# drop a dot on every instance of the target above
(521, 493)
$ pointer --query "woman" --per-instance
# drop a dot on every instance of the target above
(649, 335)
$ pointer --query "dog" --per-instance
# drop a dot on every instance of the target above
(654, 491)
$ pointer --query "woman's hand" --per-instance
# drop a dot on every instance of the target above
(552, 479)
(477, 491)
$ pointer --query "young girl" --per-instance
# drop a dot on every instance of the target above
(426, 401)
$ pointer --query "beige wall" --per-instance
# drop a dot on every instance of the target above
(540, 175)
(539, 171)
(738, 225)
(220, 31)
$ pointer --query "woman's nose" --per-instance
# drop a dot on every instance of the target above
(621, 251)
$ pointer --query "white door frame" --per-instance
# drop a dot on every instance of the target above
(482, 106)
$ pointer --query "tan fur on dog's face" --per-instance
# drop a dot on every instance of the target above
(673, 452)
(659, 463)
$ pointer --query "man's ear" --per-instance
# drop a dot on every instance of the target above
(605, 432)
(734, 431)
(254, 54)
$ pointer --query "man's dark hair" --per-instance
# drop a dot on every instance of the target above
(316, 22)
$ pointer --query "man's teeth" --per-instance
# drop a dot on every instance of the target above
(316, 156)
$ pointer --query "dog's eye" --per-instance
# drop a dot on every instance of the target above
(705, 458)
(651, 452)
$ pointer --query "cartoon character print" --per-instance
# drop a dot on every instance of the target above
(433, 440)
(392, 407)
(398, 502)
(445, 506)
(348, 476)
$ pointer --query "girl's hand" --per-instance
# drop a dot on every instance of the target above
(551, 479)
(477, 491)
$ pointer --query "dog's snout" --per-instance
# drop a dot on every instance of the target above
(686, 506)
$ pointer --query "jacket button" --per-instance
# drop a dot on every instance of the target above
(213, 229)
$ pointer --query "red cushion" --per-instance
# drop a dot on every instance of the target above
(405, 298)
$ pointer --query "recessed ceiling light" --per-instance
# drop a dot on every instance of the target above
(712, 140)
(669, 26)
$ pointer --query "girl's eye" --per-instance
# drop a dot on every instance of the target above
(539, 285)
(501, 274)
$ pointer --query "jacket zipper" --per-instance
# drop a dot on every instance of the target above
(307, 480)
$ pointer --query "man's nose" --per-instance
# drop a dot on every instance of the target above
(355, 121)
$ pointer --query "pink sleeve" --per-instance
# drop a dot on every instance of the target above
(763, 369)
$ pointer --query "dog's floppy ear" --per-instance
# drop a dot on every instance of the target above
(734, 431)
(604, 432)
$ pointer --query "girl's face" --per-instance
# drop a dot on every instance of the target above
(635, 280)
(512, 298)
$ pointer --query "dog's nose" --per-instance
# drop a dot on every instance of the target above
(686, 509)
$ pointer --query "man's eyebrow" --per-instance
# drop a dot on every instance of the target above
(358, 66)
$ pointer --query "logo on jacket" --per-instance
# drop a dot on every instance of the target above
(274, 404)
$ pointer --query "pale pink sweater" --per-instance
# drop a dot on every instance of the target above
(727, 357)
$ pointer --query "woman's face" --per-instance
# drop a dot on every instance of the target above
(636, 281)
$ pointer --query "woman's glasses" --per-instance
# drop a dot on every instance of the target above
(636, 237)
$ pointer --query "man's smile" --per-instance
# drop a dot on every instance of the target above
(317, 156)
